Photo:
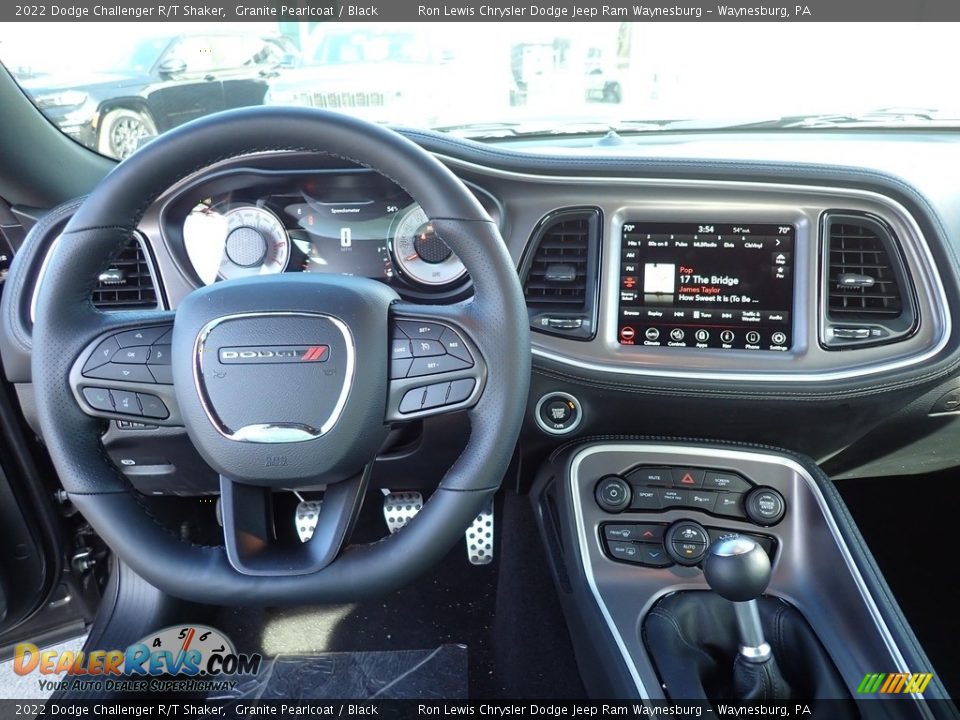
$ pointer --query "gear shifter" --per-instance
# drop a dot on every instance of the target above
(738, 569)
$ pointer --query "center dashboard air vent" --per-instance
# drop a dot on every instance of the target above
(127, 283)
(560, 273)
(868, 296)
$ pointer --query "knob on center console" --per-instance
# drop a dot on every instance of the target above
(737, 569)
(613, 493)
(686, 542)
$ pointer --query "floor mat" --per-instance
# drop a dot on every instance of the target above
(905, 521)
(403, 674)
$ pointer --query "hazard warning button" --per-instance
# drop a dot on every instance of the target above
(687, 477)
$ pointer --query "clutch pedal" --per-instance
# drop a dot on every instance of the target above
(399, 508)
(479, 537)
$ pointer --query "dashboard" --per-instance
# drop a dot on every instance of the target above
(784, 301)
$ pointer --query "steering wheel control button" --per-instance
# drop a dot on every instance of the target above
(634, 532)
(117, 371)
(159, 355)
(421, 330)
(102, 355)
(400, 368)
(765, 506)
(687, 477)
(162, 374)
(453, 344)
(98, 398)
(137, 355)
(413, 400)
(400, 348)
(687, 542)
(427, 348)
(558, 413)
(153, 407)
(460, 390)
(719, 480)
(143, 336)
(436, 395)
(613, 494)
(125, 402)
(435, 365)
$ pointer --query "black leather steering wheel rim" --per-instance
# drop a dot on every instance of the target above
(66, 322)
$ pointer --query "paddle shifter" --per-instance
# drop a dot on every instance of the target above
(738, 569)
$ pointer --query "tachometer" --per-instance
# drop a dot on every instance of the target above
(420, 254)
(243, 241)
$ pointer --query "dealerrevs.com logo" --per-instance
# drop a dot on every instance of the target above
(179, 658)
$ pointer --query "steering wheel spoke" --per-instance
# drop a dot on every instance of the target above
(435, 366)
(124, 373)
(256, 546)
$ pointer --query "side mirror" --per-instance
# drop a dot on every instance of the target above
(172, 66)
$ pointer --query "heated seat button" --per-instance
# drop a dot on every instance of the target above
(133, 355)
(102, 355)
(420, 330)
(687, 477)
(116, 371)
(153, 407)
(637, 532)
(159, 355)
(99, 398)
(125, 402)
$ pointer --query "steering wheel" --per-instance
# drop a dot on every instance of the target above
(282, 382)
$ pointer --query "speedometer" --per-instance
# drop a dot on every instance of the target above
(420, 254)
(246, 240)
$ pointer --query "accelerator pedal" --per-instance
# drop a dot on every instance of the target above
(306, 518)
(399, 508)
(479, 537)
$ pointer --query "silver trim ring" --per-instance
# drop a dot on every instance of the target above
(278, 432)
(563, 431)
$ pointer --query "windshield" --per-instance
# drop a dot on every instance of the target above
(114, 86)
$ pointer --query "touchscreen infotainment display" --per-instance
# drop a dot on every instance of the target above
(693, 285)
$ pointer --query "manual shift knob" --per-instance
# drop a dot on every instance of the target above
(737, 568)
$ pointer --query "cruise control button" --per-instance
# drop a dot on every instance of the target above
(453, 344)
(652, 476)
(413, 400)
(436, 395)
(102, 355)
(153, 407)
(719, 480)
(434, 365)
(730, 505)
(159, 355)
(134, 355)
(687, 477)
(399, 368)
(704, 500)
(99, 398)
(162, 374)
(115, 371)
(143, 336)
(427, 348)
(420, 330)
(637, 532)
(460, 390)
(125, 402)
(400, 348)
(645, 498)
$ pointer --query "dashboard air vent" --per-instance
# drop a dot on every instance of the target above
(127, 282)
(560, 272)
(866, 286)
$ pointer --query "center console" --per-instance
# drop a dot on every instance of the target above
(629, 525)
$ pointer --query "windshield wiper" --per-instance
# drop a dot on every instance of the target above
(881, 117)
(531, 128)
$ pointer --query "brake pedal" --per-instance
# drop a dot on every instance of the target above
(308, 511)
(399, 508)
(479, 537)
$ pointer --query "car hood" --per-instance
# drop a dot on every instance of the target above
(359, 76)
(42, 84)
